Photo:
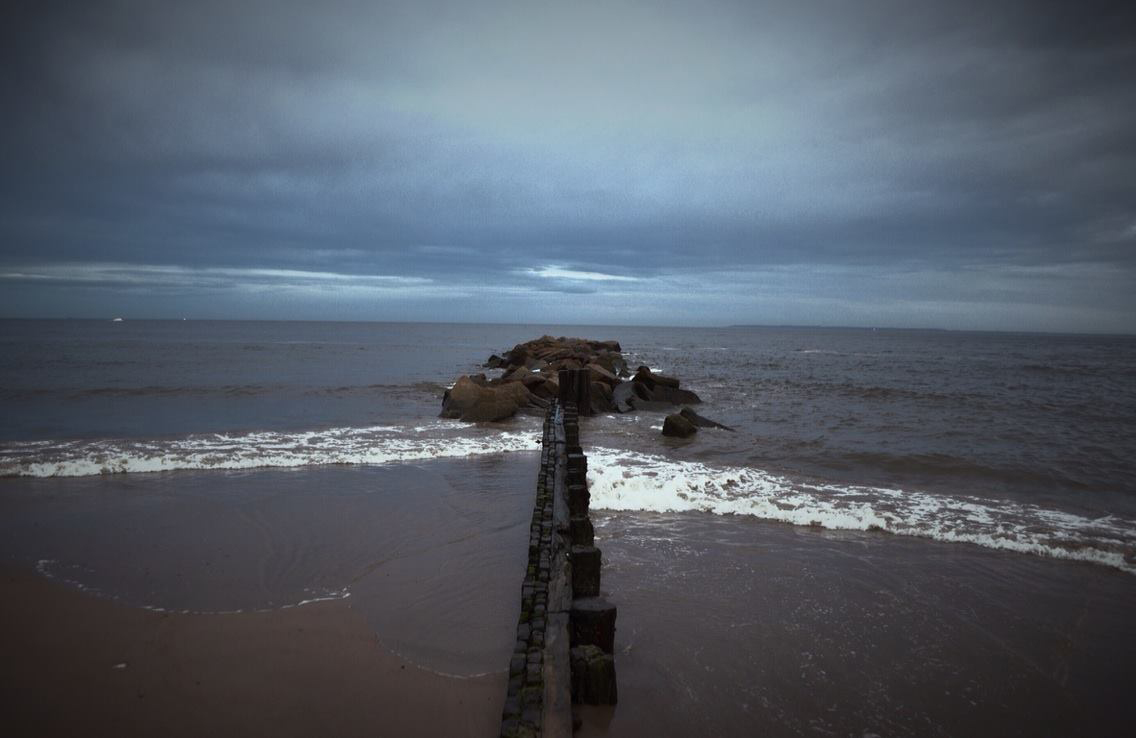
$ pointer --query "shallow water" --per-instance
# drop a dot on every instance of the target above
(734, 626)
(430, 553)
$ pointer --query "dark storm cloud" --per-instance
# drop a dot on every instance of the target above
(826, 162)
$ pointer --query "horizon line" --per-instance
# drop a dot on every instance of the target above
(586, 325)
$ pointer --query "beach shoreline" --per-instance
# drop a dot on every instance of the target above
(77, 664)
(737, 626)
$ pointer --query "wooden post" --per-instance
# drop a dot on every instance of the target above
(576, 389)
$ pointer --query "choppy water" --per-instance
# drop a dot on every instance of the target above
(1011, 441)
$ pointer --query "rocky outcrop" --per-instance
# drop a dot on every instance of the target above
(678, 426)
(701, 422)
(473, 402)
(657, 388)
(530, 378)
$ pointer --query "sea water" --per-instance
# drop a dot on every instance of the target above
(1021, 442)
(906, 532)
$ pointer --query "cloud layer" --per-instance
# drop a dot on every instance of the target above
(878, 163)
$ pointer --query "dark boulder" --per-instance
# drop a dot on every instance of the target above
(700, 421)
(494, 362)
(601, 397)
(541, 386)
(599, 374)
(650, 387)
(674, 395)
(646, 376)
(678, 426)
(517, 355)
(472, 402)
(631, 396)
(517, 375)
(621, 397)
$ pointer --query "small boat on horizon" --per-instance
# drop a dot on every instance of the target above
(117, 320)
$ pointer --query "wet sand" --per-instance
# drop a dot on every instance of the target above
(731, 626)
(306, 671)
(421, 566)
(727, 625)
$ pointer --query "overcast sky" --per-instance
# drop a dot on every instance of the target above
(953, 165)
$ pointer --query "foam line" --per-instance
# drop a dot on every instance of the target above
(372, 445)
(620, 480)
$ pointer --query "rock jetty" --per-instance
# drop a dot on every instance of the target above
(529, 382)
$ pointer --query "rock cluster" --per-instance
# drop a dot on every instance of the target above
(529, 380)
(685, 423)
(650, 391)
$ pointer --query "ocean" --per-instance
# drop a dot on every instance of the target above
(1012, 441)
(977, 464)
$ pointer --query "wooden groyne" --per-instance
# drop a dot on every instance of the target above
(566, 631)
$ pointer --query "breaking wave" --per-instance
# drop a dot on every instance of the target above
(620, 480)
(372, 445)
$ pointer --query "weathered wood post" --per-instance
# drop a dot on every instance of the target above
(566, 631)
(576, 390)
(592, 618)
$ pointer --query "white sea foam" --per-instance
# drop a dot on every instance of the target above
(381, 444)
(620, 480)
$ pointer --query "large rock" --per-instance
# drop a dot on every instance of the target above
(621, 396)
(599, 374)
(674, 395)
(468, 401)
(612, 361)
(529, 379)
(517, 375)
(652, 387)
(630, 396)
(651, 380)
(676, 426)
(547, 349)
(518, 393)
(541, 386)
(601, 397)
(700, 421)
(516, 356)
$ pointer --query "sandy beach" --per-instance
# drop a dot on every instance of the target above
(74, 664)
(132, 629)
